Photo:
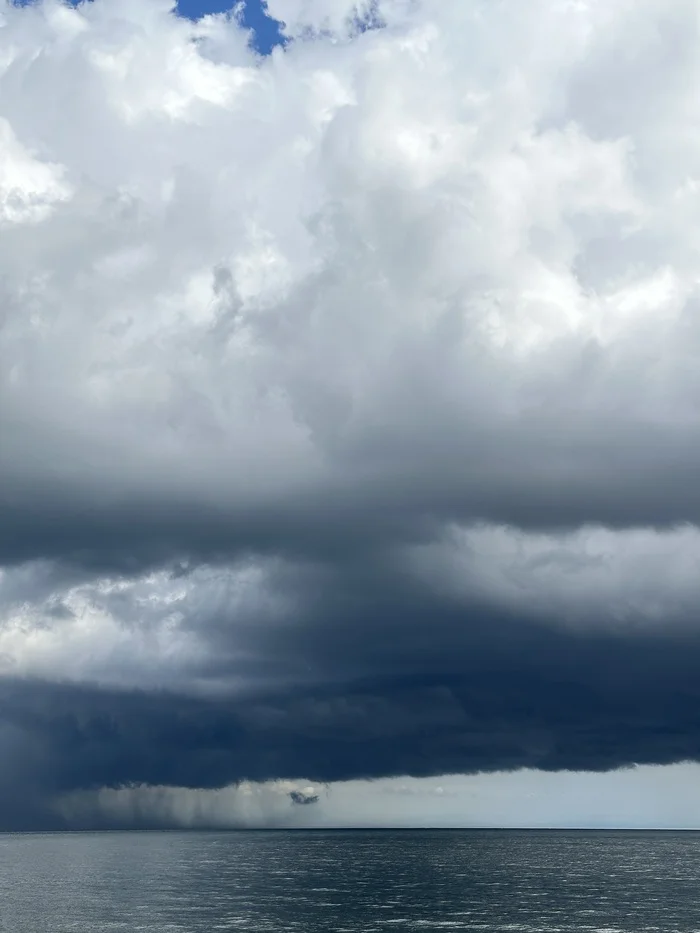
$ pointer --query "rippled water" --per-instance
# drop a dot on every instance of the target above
(350, 881)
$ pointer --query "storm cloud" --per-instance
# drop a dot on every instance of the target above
(349, 396)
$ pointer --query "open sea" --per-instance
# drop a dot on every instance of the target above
(343, 881)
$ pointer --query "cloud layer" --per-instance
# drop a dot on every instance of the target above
(348, 397)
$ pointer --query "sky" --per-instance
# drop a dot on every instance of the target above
(349, 413)
(266, 33)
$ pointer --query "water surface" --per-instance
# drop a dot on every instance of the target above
(377, 881)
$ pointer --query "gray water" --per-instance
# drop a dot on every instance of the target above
(350, 881)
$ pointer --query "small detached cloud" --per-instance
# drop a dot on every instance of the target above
(303, 797)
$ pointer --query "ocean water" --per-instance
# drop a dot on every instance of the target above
(378, 881)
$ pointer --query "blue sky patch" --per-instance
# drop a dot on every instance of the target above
(266, 31)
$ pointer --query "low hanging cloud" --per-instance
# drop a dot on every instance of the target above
(303, 797)
(349, 420)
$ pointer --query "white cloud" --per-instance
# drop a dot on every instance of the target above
(261, 259)
(29, 187)
(148, 631)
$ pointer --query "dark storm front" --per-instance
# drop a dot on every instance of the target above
(350, 881)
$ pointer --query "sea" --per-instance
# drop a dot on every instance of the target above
(350, 881)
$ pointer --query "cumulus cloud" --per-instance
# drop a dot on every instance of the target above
(348, 396)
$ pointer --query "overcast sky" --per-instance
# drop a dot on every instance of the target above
(350, 413)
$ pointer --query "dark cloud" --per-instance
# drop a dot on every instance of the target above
(526, 474)
(456, 696)
(302, 798)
